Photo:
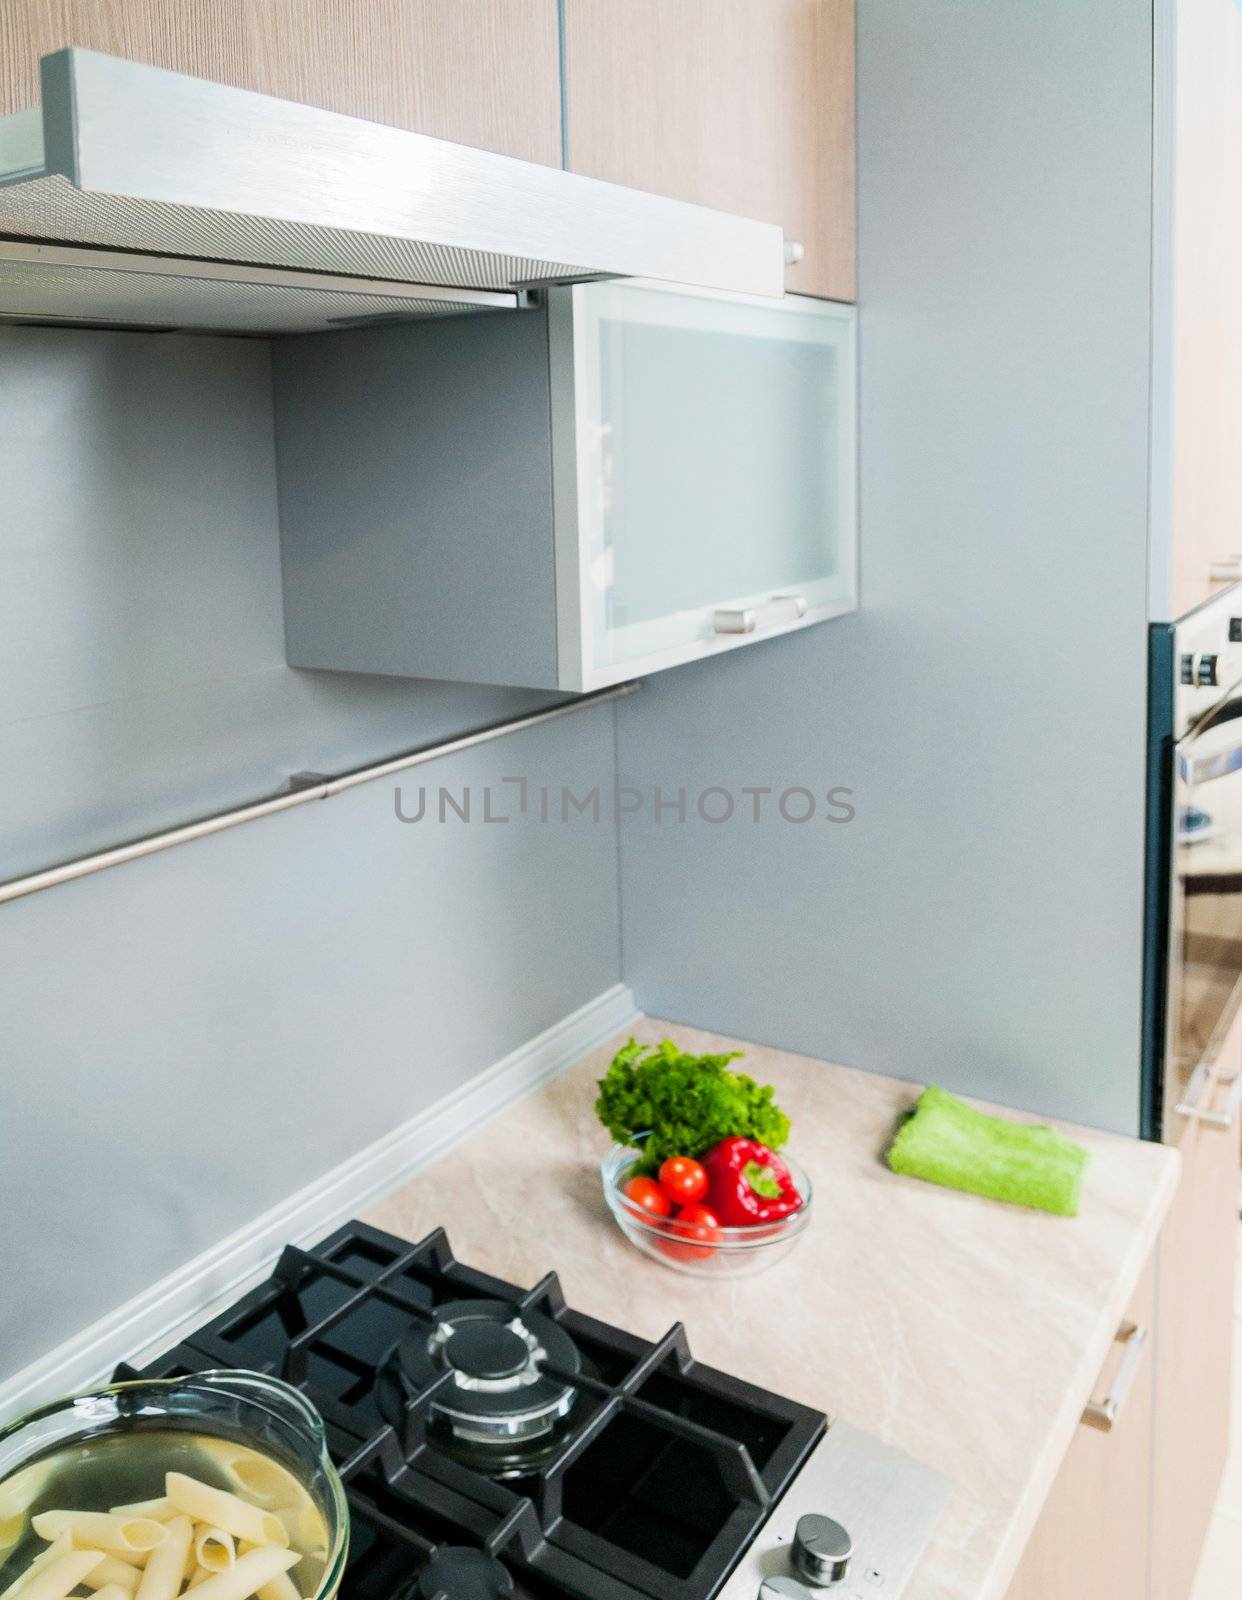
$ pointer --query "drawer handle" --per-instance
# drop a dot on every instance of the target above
(1103, 1414)
(1199, 1090)
(749, 619)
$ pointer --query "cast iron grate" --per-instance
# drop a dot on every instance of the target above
(667, 1472)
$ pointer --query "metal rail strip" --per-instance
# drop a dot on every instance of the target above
(303, 788)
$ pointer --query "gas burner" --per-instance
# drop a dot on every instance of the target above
(500, 1410)
(459, 1572)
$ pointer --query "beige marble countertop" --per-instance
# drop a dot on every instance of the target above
(964, 1331)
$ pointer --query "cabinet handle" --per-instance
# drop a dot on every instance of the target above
(1103, 1414)
(794, 252)
(1198, 1091)
(749, 619)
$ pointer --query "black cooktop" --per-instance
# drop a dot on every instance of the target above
(493, 1441)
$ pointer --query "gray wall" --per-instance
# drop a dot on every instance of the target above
(332, 971)
(979, 922)
(189, 1039)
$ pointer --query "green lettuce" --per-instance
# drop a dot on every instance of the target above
(683, 1104)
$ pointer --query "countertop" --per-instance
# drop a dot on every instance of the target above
(966, 1332)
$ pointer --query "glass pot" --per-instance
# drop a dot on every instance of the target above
(96, 1441)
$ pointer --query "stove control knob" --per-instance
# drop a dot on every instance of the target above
(782, 1588)
(821, 1550)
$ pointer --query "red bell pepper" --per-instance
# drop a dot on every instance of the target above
(747, 1184)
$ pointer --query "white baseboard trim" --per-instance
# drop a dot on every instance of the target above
(170, 1309)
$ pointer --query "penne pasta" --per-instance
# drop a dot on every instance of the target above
(161, 1509)
(19, 1493)
(220, 1509)
(111, 1591)
(262, 1480)
(282, 1588)
(201, 1575)
(59, 1577)
(98, 1530)
(254, 1477)
(162, 1577)
(113, 1571)
(248, 1575)
(58, 1548)
(214, 1548)
(302, 1522)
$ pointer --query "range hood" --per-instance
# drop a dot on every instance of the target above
(155, 170)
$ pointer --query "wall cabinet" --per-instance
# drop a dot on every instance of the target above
(703, 470)
(625, 479)
(745, 105)
(481, 72)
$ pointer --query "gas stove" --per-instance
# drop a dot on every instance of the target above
(494, 1442)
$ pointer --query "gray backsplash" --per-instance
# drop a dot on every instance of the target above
(189, 1039)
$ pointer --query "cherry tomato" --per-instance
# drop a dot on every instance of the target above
(697, 1234)
(683, 1181)
(647, 1195)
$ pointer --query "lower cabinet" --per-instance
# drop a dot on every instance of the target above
(1194, 1319)
(1128, 1512)
(1093, 1536)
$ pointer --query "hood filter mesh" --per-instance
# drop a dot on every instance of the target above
(52, 208)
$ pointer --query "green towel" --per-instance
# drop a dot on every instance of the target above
(950, 1143)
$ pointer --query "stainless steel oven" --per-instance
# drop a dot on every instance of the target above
(1193, 976)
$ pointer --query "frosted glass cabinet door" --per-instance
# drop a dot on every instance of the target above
(705, 473)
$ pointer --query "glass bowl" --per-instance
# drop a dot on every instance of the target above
(732, 1252)
(242, 1431)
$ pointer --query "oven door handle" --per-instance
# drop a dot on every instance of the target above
(1198, 1091)
(1206, 769)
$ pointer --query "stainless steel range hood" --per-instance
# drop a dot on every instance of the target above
(154, 164)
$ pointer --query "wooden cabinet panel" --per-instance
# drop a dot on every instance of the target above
(1100, 1536)
(481, 72)
(1207, 310)
(1091, 1541)
(745, 105)
(1194, 1344)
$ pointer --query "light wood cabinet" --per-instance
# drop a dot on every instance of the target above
(1194, 1321)
(1204, 220)
(1127, 1515)
(481, 72)
(744, 105)
(1091, 1541)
